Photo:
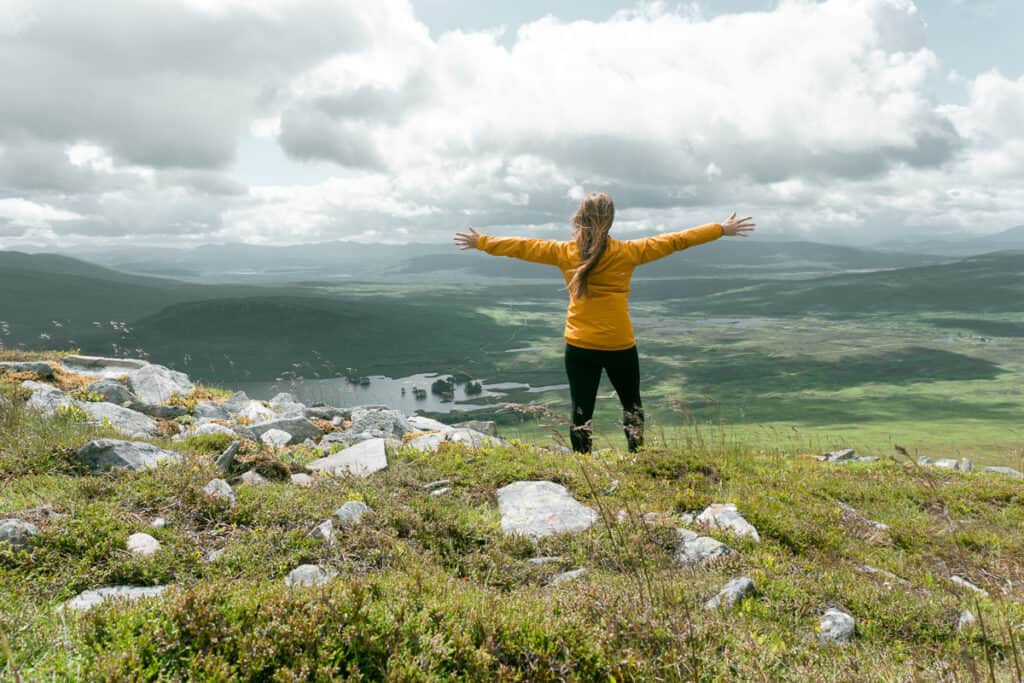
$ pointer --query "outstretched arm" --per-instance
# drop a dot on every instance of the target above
(525, 248)
(651, 248)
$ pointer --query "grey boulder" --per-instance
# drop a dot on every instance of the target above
(380, 422)
(99, 366)
(541, 508)
(46, 399)
(218, 489)
(1006, 471)
(725, 516)
(91, 598)
(123, 419)
(692, 548)
(112, 391)
(360, 460)
(488, 427)
(17, 533)
(226, 459)
(299, 428)
(276, 437)
(158, 384)
(836, 626)
(351, 513)
(105, 454)
(308, 575)
(734, 591)
(143, 545)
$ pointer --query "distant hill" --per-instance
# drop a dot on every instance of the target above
(1007, 240)
(985, 283)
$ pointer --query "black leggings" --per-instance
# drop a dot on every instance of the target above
(584, 369)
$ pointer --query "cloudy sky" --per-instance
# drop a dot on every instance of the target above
(182, 122)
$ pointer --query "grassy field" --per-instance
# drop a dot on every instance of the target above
(430, 589)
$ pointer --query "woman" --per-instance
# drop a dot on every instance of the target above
(598, 333)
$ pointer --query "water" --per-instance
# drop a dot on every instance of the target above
(339, 392)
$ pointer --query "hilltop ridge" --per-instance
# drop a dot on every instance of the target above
(188, 532)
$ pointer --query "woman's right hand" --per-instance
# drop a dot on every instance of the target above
(467, 240)
(733, 226)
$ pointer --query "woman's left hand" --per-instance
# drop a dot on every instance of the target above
(467, 240)
(733, 226)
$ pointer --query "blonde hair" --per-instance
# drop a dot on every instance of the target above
(593, 220)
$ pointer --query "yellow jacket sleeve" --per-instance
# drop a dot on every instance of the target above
(525, 248)
(651, 248)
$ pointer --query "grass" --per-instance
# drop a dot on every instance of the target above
(430, 589)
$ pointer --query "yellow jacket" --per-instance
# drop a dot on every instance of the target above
(601, 319)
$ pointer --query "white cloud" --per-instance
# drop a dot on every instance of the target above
(817, 117)
(24, 213)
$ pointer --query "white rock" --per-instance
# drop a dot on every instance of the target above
(964, 583)
(252, 478)
(324, 531)
(103, 454)
(541, 508)
(836, 626)
(725, 516)
(214, 555)
(17, 533)
(255, 412)
(1006, 471)
(157, 384)
(692, 548)
(91, 598)
(966, 619)
(734, 591)
(351, 513)
(158, 523)
(360, 460)
(100, 366)
(220, 489)
(308, 575)
(567, 576)
(276, 437)
(302, 479)
(426, 424)
(143, 545)
(441, 491)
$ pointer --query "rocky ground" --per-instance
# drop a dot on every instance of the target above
(154, 529)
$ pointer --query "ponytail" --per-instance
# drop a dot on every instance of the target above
(593, 220)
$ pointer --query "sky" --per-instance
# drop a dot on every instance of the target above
(184, 122)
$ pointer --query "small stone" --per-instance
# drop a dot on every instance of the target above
(158, 523)
(226, 459)
(725, 516)
(220, 489)
(734, 591)
(541, 508)
(143, 545)
(1006, 471)
(567, 576)
(252, 478)
(302, 479)
(841, 455)
(17, 533)
(214, 555)
(351, 513)
(104, 454)
(324, 531)
(440, 492)
(966, 619)
(88, 599)
(836, 626)
(692, 548)
(548, 559)
(308, 575)
(360, 460)
(276, 437)
(298, 428)
(964, 583)
(434, 485)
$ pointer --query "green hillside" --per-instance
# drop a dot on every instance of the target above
(429, 588)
